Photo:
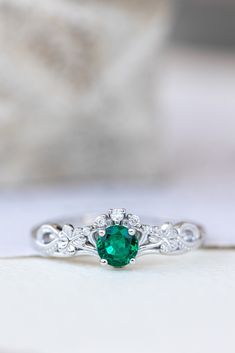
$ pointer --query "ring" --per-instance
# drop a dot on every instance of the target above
(117, 238)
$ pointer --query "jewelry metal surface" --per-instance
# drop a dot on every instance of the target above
(167, 238)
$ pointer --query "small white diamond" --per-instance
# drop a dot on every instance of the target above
(71, 249)
(79, 242)
(86, 231)
(77, 232)
(173, 245)
(166, 226)
(79, 237)
(117, 214)
(68, 230)
(165, 248)
(63, 242)
(101, 221)
(189, 233)
(134, 220)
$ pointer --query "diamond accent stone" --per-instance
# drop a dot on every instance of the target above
(71, 248)
(117, 214)
(189, 233)
(68, 230)
(134, 221)
(86, 231)
(63, 242)
(165, 248)
(79, 238)
(101, 221)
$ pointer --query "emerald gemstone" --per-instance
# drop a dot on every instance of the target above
(117, 246)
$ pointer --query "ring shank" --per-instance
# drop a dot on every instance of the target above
(62, 239)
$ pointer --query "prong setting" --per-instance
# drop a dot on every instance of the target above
(131, 231)
(101, 232)
(132, 261)
(103, 262)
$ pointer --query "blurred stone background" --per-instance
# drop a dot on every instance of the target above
(116, 90)
(77, 90)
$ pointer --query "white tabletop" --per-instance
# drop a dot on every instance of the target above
(162, 304)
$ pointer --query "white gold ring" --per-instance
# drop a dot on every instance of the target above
(117, 238)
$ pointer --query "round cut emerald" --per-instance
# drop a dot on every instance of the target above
(117, 246)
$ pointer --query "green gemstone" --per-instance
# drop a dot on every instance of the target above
(117, 246)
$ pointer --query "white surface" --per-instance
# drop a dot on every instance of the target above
(163, 304)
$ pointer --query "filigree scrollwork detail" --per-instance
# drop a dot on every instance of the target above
(171, 238)
(67, 240)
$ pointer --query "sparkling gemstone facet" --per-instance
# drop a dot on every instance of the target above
(117, 246)
(117, 214)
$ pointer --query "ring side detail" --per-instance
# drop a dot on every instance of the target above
(117, 238)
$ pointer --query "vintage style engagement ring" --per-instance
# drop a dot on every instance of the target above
(117, 238)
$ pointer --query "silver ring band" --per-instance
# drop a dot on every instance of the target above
(117, 238)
